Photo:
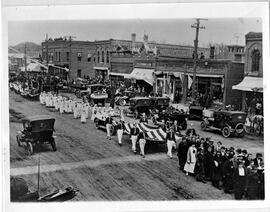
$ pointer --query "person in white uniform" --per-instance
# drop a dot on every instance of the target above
(61, 106)
(83, 114)
(120, 130)
(134, 132)
(191, 160)
(75, 111)
(94, 110)
(171, 142)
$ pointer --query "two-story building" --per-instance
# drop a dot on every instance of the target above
(252, 84)
(93, 58)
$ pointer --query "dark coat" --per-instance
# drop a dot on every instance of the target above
(253, 186)
(239, 183)
(228, 171)
(217, 170)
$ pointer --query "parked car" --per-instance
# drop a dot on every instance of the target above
(138, 105)
(36, 131)
(98, 94)
(195, 112)
(228, 122)
(123, 98)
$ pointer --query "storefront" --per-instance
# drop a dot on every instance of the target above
(252, 94)
(102, 72)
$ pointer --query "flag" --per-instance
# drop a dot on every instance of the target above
(190, 81)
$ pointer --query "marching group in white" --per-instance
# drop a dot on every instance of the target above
(67, 105)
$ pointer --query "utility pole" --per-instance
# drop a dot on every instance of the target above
(195, 59)
(47, 51)
(25, 58)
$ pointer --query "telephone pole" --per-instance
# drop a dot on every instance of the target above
(195, 57)
(25, 58)
(47, 52)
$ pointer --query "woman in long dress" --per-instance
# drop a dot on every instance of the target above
(191, 160)
(61, 105)
(56, 104)
(79, 107)
(75, 111)
(66, 106)
(87, 106)
(83, 114)
(70, 106)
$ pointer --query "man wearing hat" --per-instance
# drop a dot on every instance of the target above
(120, 129)
(108, 122)
(227, 171)
(171, 142)
(239, 178)
(143, 119)
(134, 132)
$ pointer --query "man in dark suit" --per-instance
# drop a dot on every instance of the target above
(143, 119)
(134, 132)
(227, 171)
(258, 161)
(108, 122)
(240, 180)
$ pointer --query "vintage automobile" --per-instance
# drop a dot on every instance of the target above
(228, 122)
(170, 115)
(195, 112)
(138, 105)
(100, 118)
(98, 94)
(36, 131)
(123, 98)
(159, 103)
(79, 84)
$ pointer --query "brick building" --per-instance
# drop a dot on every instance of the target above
(214, 77)
(93, 58)
(252, 84)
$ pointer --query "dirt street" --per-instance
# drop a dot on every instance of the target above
(101, 169)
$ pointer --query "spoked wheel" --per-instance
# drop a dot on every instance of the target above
(226, 132)
(18, 141)
(203, 125)
(53, 145)
(29, 148)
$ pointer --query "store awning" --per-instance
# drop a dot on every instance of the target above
(101, 68)
(250, 84)
(59, 67)
(36, 67)
(119, 74)
(142, 74)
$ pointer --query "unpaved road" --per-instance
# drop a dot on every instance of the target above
(99, 168)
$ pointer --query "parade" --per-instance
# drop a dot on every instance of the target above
(120, 119)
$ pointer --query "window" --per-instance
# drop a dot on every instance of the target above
(89, 57)
(67, 56)
(102, 57)
(107, 57)
(79, 56)
(98, 57)
(79, 73)
(255, 58)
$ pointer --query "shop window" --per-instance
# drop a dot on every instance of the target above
(79, 73)
(79, 56)
(255, 57)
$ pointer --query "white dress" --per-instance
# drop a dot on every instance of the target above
(191, 160)
(56, 104)
(83, 114)
(66, 106)
(70, 102)
(61, 106)
(75, 111)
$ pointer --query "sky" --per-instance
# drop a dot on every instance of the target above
(178, 31)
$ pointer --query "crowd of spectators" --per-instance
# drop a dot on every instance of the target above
(234, 170)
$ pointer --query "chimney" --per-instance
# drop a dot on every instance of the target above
(133, 40)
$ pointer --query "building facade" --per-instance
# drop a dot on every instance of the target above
(93, 58)
(252, 84)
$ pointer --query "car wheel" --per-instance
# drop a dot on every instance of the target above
(29, 148)
(97, 124)
(226, 132)
(203, 125)
(53, 145)
(18, 141)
